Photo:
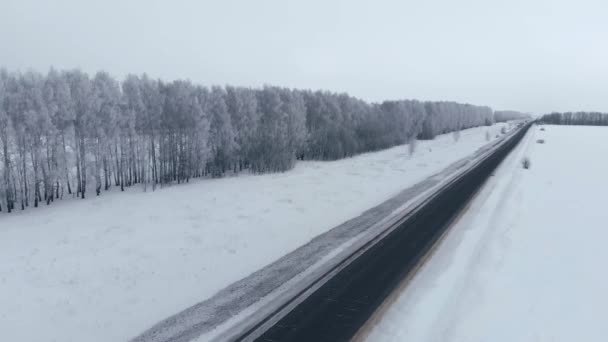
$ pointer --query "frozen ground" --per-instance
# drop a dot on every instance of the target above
(526, 262)
(107, 268)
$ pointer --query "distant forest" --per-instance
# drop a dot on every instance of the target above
(508, 115)
(66, 133)
(578, 118)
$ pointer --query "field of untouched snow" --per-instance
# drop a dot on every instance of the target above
(107, 268)
(526, 262)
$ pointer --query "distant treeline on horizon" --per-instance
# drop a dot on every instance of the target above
(67, 133)
(576, 118)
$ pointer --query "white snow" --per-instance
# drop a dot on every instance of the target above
(526, 262)
(107, 268)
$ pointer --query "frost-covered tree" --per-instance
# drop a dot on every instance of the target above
(60, 107)
(7, 197)
(221, 132)
(65, 132)
(271, 150)
(38, 131)
(83, 101)
(102, 126)
(149, 125)
(242, 106)
(198, 136)
(294, 109)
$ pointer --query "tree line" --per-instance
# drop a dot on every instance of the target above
(66, 133)
(577, 118)
(507, 115)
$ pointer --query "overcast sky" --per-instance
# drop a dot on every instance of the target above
(535, 56)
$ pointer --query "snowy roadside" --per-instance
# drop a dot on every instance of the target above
(240, 306)
(524, 263)
(107, 268)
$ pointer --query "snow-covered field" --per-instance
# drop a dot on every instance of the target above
(527, 261)
(107, 268)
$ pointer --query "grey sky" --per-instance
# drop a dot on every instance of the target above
(533, 56)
